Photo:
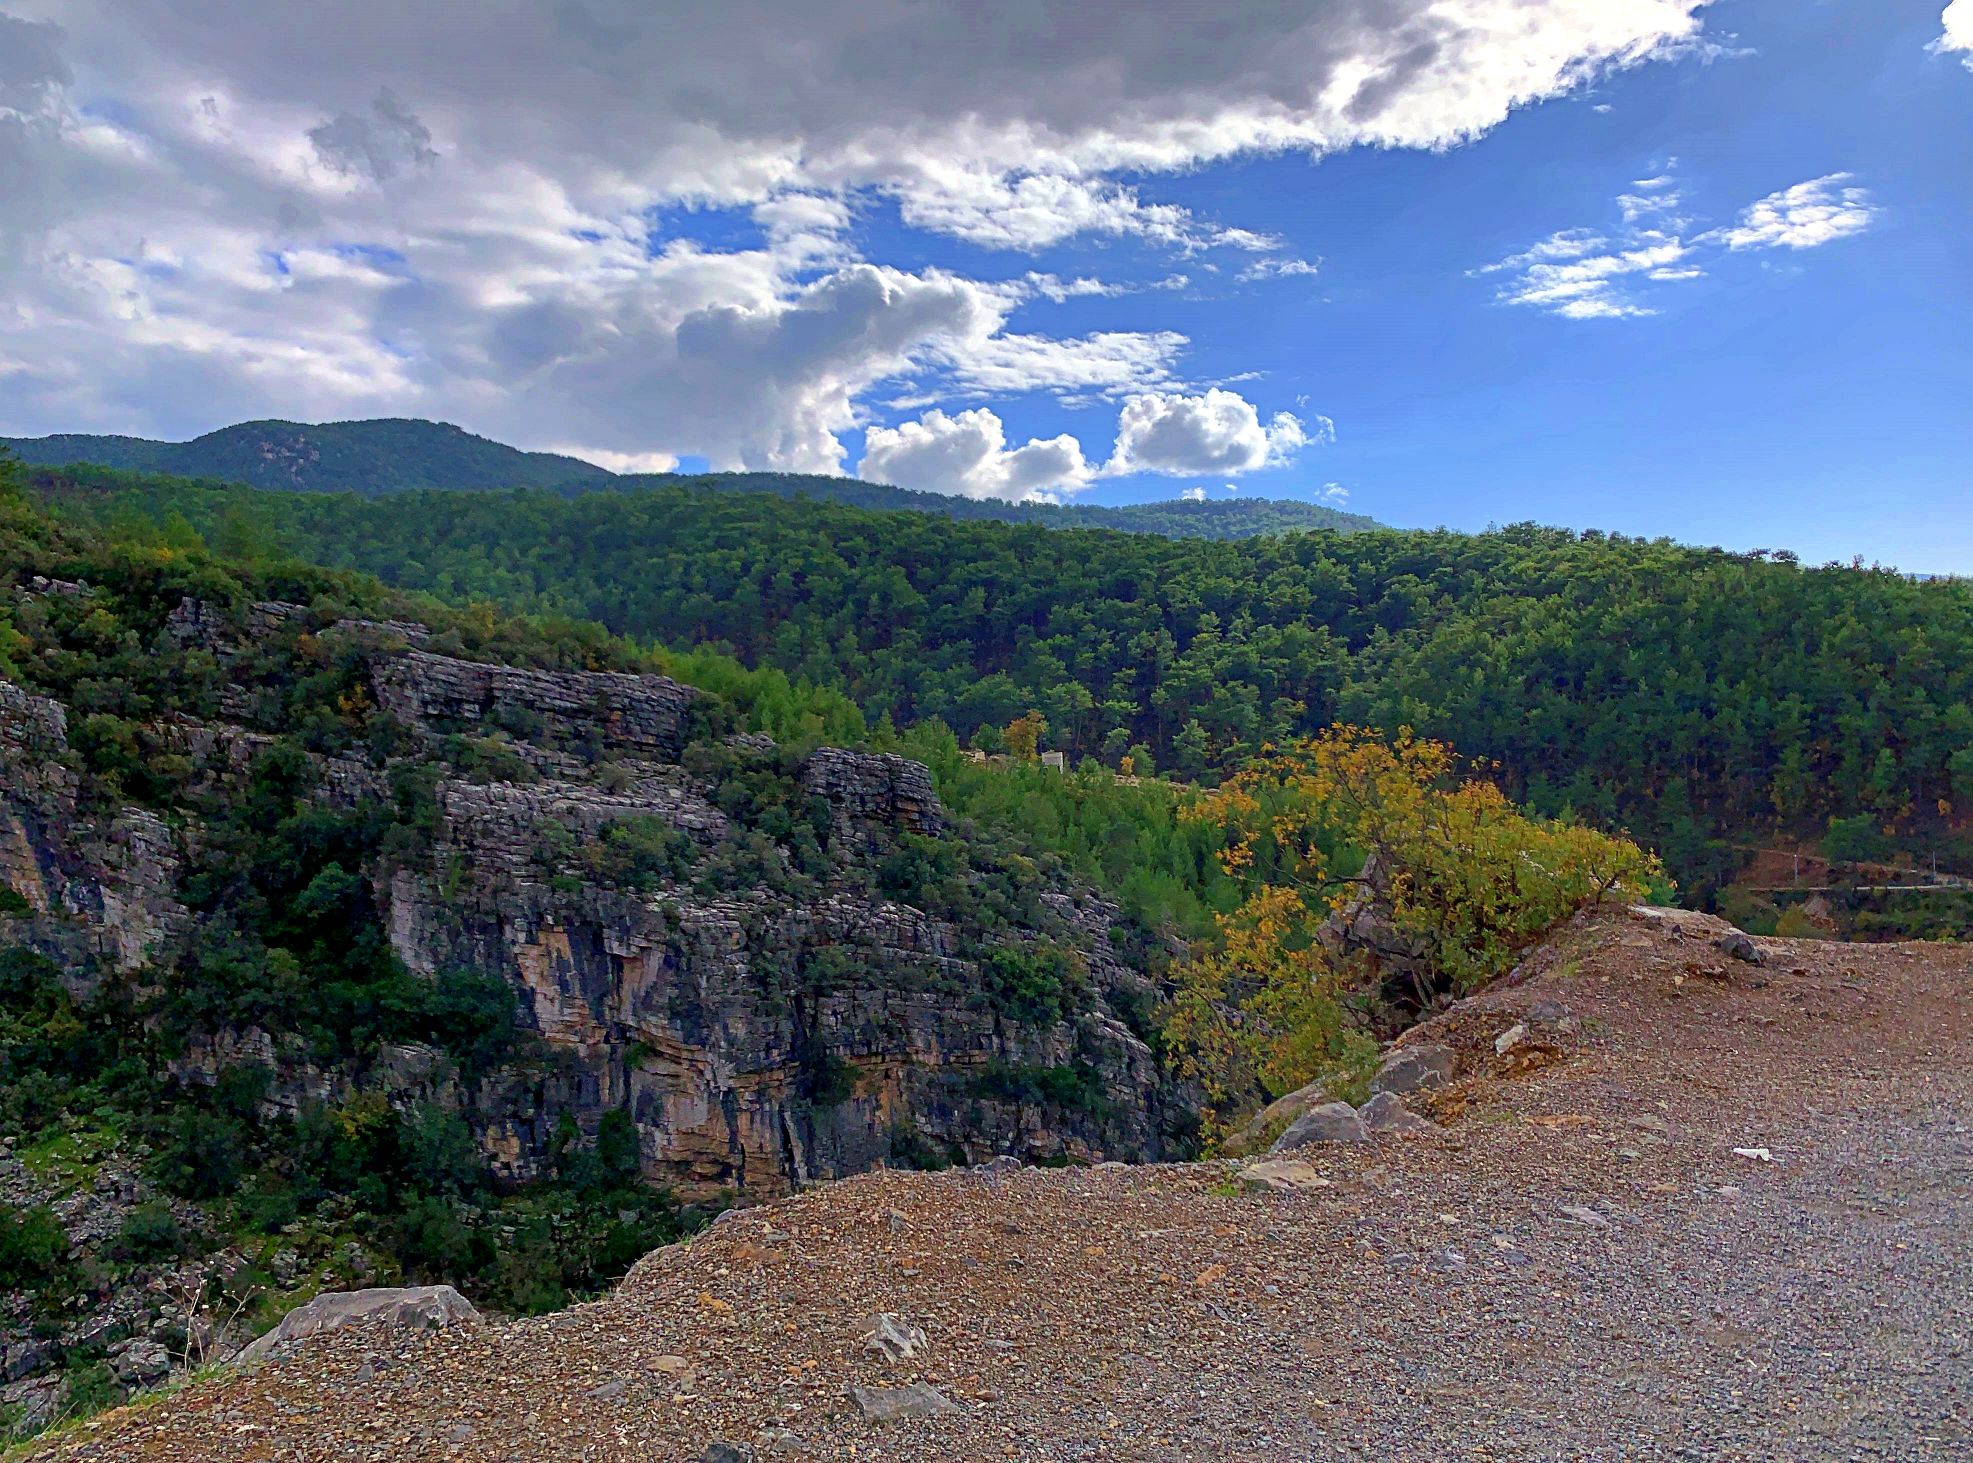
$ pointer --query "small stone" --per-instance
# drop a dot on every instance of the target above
(1739, 946)
(724, 1452)
(1512, 1037)
(1583, 1214)
(893, 1338)
(892, 1404)
(608, 1391)
(777, 1440)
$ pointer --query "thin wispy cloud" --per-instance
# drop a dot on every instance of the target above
(1616, 273)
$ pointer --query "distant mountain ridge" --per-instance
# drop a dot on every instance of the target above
(371, 458)
(374, 459)
(1229, 518)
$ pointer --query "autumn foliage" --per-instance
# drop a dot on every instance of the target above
(1455, 876)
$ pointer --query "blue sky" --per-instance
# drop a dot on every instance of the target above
(1656, 266)
(1820, 400)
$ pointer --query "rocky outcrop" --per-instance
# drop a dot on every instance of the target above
(864, 788)
(97, 888)
(763, 1025)
(627, 712)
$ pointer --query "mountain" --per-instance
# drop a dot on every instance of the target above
(376, 458)
(370, 458)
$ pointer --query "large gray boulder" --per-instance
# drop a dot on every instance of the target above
(1332, 1122)
(1416, 1068)
(411, 1308)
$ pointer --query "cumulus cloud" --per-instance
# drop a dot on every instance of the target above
(1217, 431)
(1958, 34)
(1805, 216)
(967, 455)
(1583, 274)
(421, 206)
(1194, 495)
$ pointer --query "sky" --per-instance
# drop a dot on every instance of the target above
(1663, 267)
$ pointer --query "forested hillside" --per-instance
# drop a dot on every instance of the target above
(1692, 695)
(371, 458)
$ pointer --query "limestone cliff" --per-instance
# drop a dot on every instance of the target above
(702, 929)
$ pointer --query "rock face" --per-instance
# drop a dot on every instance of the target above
(98, 888)
(404, 1308)
(763, 1021)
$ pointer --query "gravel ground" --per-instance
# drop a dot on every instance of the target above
(1578, 1266)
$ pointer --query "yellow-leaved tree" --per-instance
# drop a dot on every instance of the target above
(1364, 857)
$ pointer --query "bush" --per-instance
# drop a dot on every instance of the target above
(1463, 880)
(1795, 925)
(32, 1246)
(150, 1232)
(1747, 910)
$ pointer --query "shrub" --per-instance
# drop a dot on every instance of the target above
(150, 1232)
(1794, 924)
(1463, 879)
(32, 1246)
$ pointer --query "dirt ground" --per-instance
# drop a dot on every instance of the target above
(1578, 1265)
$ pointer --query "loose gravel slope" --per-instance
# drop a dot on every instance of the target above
(1577, 1266)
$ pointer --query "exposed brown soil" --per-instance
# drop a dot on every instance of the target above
(1578, 1266)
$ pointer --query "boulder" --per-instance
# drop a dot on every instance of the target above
(1416, 1068)
(412, 1307)
(1332, 1122)
(141, 1362)
(1386, 1113)
(1273, 1120)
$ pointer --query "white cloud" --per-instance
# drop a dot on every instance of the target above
(1280, 268)
(1054, 287)
(1334, 494)
(621, 461)
(417, 206)
(1805, 216)
(1581, 274)
(1194, 495)
(967, 455)
(1958, 34)
(1217, 431)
